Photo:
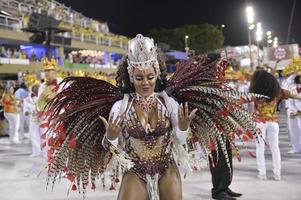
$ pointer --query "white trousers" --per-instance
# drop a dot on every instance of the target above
(13, 122)
(35, 137)
(21, 126)
(270, 133)
(294, 127)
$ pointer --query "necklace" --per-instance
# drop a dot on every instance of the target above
(53, 82)
(146, 104)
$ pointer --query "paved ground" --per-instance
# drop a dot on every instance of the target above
(19, 181)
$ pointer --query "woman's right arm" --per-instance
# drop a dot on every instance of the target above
(114, 125)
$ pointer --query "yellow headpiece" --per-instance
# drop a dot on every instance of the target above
(30, 79)
(49, 64)
(297, 64)
(293, 67)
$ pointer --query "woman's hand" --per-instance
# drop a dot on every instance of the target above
(184, 118)
(113, 128)
(293, 115)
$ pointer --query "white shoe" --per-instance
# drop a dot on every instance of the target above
(291, 152)
(34, 155)
(262, 177)
(277, 177)
(16, 141)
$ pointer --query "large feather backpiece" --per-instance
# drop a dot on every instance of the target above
(220, 116)
(75, 147)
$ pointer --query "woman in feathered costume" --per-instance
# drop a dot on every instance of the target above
(142, 125)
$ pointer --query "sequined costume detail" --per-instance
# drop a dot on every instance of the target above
(149, 149)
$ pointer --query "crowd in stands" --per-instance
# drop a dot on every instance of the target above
(81, 27)
(79, 57)
(8, 52)
(61, 13)
(15, 52)
(86, 57)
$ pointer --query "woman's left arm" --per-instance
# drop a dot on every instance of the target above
(285, 94)
(294, 96)
(179, 122)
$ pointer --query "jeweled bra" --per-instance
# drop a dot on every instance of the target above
(150, 151)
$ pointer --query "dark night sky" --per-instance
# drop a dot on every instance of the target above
(129, 17)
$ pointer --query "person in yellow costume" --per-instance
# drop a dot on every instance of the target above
(49, 88)
(47, 91)
(264, 83)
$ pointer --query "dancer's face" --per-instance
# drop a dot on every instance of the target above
(144, 81)
(35, 90)
(11, 90)
(50, 75)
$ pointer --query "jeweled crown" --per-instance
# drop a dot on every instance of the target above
(142, 53)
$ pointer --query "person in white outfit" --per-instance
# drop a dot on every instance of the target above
(291, 109)
(244, 87)
(20, 94)
(30, 110)
(294, 110)
(266, 84)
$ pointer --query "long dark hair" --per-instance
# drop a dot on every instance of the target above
(123, 78)
(264, 83)
(297, 79)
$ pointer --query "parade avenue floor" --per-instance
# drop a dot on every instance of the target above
(19, 180)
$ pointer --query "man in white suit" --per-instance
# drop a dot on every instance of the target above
(31, 110)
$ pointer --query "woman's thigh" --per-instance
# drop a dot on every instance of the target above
(170, 185)
(273, 134)
(132, 188)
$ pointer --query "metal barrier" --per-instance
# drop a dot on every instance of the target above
(23, 9)
(10, 23)
(51, 8)
(16, 61)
